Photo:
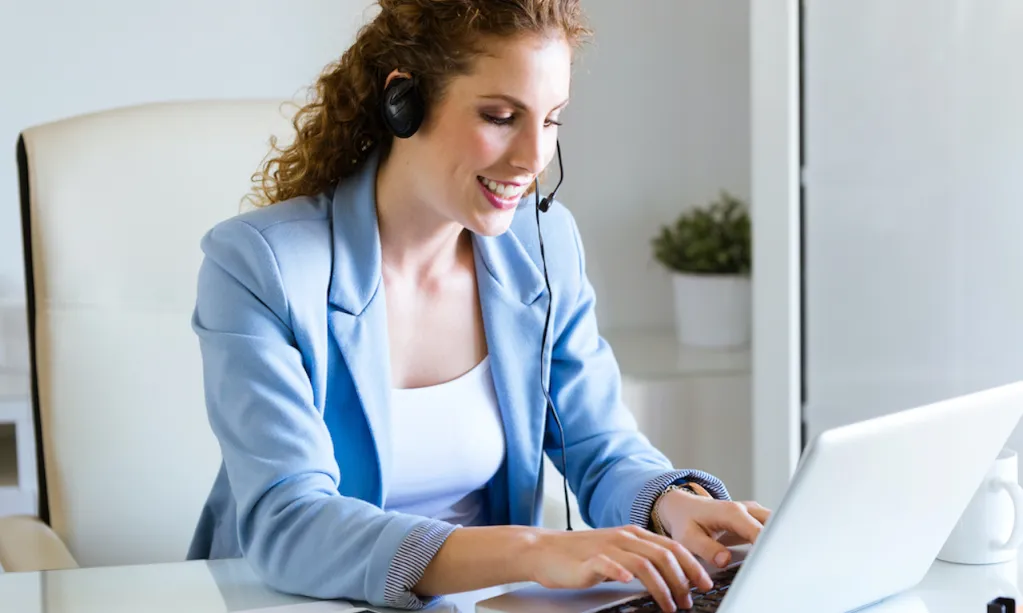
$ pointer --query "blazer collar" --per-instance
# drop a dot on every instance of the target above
(507, 262)
(356, 273)
(356, 235)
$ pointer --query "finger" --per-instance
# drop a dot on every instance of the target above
(604, 566)
(648, 574)
(739, 521)
(758, 512)
(700, 543)
(676, 564)
(694, 571)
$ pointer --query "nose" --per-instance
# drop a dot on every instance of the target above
(533, 149)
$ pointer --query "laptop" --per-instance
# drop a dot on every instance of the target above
(865, 514)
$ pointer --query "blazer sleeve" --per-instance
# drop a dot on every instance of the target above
(614, 470)
(295, 529)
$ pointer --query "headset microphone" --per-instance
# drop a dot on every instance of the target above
(543, 206)
(546, 203)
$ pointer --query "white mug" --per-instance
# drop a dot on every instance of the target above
(990, 530)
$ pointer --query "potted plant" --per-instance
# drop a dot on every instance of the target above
(708, 251)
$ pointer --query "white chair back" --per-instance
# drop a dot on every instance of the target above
(114, 205)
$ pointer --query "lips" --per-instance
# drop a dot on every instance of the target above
(503, 189)
(507, 200)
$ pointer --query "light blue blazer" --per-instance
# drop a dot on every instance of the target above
(292, 324)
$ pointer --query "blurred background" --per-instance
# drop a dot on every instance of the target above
(873, 152)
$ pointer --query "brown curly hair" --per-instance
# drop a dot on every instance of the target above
(433, 39)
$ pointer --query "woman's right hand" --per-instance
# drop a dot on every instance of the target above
(577, 560)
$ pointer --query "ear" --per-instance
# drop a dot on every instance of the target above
(396, 74)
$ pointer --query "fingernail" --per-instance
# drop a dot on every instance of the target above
(721, 559)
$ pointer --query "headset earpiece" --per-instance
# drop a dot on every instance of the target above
(402, 106)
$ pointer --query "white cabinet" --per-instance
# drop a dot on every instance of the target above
(693, 404)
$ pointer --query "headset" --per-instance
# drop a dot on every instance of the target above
(403, 108)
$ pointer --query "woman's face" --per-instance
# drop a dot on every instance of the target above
(493, 131)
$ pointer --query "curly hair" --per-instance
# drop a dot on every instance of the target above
(432, 39)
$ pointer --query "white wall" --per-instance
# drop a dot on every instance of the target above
(659, 118)
(63, 57)
(659, 121)
(914, 186)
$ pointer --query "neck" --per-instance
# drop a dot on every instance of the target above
(415, 241)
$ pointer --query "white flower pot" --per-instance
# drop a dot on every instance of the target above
(712, 310)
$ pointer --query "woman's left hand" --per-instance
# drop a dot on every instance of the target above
(705, 525)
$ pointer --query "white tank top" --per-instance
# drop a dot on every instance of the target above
(448, 442)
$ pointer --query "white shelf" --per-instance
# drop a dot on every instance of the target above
(13, 411)
(655, 354)
(15, 501)
(14, 396)
(13, 384)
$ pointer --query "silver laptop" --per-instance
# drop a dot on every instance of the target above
(867, 511)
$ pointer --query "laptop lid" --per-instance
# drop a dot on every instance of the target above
(872, 503)
(867, 511)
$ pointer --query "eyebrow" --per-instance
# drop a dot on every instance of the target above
(512, 100)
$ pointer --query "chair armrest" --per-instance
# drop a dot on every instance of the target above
(27, 544)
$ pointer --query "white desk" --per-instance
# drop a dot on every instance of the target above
(229, 585)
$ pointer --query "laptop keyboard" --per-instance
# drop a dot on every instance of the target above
(703, 602)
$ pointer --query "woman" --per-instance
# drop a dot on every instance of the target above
(372, 339)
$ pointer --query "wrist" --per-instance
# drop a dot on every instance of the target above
(527, 553)
(669, 504)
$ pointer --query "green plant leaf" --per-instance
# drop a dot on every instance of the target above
(712, 239)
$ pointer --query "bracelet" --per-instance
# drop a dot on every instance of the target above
(655, 518)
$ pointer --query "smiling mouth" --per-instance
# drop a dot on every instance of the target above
(504, 191)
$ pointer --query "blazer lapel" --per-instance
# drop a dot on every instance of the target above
(511, 290)
(358, 315)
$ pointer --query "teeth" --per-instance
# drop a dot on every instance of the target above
(506, 192)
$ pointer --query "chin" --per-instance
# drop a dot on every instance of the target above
(492, 224)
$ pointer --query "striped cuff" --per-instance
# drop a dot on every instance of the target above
(410, 562)
(644, 503)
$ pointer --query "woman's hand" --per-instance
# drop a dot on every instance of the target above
(705, 525)
(577, 560)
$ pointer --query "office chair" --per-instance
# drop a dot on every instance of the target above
(113, 207)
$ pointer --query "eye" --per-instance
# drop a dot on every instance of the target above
(498, 121)
(508, 120)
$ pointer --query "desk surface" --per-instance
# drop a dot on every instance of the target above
(229, 585)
